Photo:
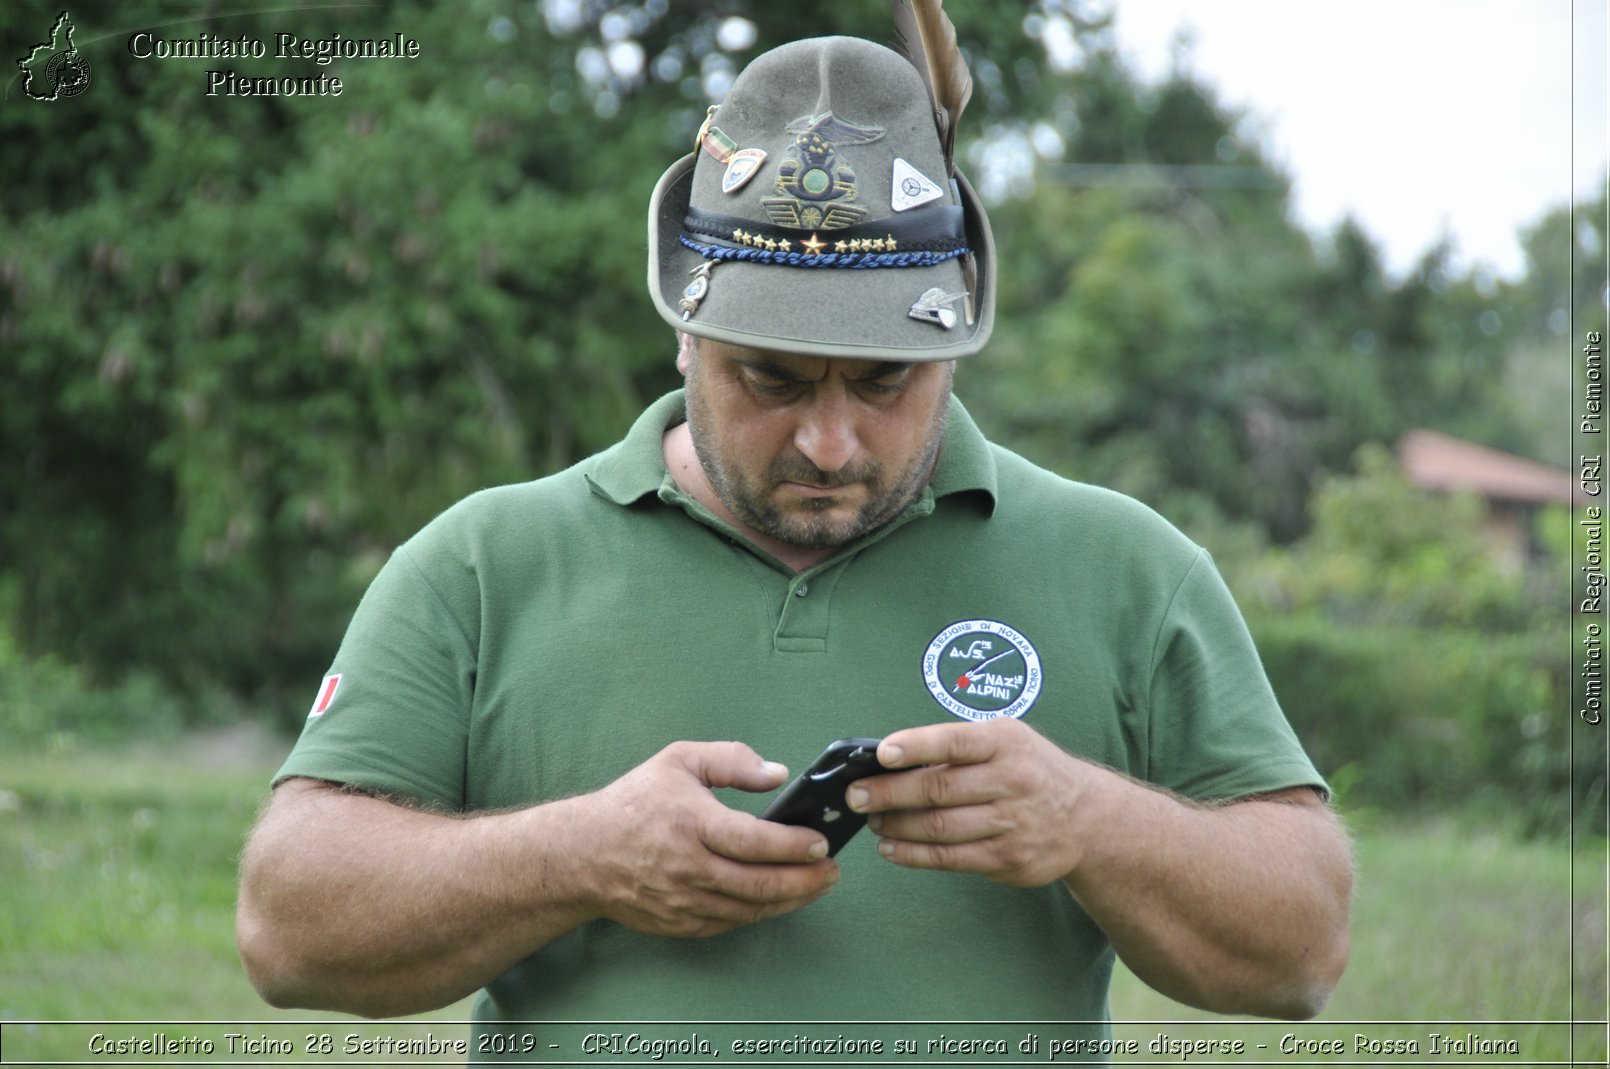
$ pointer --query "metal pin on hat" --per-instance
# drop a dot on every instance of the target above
(697, 289)
(741, 167)
(934, 307)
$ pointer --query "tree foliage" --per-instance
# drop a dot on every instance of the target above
(248, 344)
(1383, 553)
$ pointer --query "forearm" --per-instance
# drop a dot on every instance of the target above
(1237, 908)
(357, 904)
(354, 903)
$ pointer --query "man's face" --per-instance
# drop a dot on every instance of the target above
(811, 451)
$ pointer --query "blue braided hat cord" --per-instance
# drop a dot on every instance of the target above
(826, 259)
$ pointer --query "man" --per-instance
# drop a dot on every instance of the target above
(508, 782)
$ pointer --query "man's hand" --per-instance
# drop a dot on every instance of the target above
(360, 904)
(1239, 907)
(672, 860)
(997, 798)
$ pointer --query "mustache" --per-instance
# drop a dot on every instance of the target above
(797, 469)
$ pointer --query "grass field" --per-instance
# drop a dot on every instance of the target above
(117, 882)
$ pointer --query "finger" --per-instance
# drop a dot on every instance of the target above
(938, 744)
(703, 913)
(729, 764)
(965, 824)
(987, 857)
(746, 838)
(760, 885)
(949, 857)
(943, 786)
(736, 912)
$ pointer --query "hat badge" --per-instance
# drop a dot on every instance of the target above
(934, 306)
(697, 289)
(817, 186)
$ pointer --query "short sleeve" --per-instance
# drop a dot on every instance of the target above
(1217, 730)
(397, 722)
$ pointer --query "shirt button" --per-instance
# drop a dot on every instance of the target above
(801, 590)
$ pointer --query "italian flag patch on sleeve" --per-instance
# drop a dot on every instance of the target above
(327, 689)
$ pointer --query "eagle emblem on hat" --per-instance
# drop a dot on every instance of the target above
(817, 186)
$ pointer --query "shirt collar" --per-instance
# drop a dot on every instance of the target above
(635, 466)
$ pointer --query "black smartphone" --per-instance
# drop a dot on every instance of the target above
(816, 797)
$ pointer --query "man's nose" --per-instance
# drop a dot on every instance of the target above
(826, 433)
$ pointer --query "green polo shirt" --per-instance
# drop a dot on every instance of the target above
(537, 641)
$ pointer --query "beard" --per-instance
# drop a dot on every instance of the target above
(809, 524)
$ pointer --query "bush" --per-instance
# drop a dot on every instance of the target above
(1433, 718)
(49, 702)
(1384, 553)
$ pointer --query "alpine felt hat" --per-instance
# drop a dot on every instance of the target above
(817, 215)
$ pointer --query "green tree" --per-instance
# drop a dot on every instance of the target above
(251, 343)
(1384, 552)
(248, 344)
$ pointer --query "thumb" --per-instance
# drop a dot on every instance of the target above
(732, 764)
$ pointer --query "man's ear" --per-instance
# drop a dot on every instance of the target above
(684, 352)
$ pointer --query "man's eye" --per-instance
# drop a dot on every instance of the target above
(771, 387)
(887, 387)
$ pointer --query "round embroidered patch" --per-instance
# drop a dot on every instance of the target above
(982, 669)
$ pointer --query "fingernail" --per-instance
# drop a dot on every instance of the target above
(833, 876)
(818, 850)
(857, 797)
(875, 822)
(886, 848)
(890, 754)
(775, 770)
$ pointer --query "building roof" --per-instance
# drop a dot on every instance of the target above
(1434, 461)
